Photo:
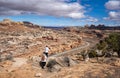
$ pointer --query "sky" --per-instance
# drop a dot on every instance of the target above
(62, 12)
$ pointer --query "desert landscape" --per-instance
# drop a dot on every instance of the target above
(59, 38)
(22, 44)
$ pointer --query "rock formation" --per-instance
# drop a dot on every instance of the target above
(27, 39)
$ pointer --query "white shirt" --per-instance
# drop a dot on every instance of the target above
(47, 49)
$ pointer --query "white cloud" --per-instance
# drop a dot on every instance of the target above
(89, 19)
(92, 19)
(114, 7)
(113, 16)
(76, 15)
(42, 7)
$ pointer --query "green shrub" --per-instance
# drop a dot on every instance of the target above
(111, 43)
(92, 54)
(102, 45)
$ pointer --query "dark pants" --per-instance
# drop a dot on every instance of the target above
(42, 64)
(46, 54)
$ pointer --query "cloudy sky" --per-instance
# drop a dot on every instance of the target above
(62, 12)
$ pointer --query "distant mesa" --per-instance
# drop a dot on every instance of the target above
(27, 23)
(31, 25)
(103, 27)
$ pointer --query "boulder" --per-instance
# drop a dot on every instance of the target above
(55, 64)
(38, 75)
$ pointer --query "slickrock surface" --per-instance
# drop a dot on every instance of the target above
(20, 39)
(80, 70)
(22, 43)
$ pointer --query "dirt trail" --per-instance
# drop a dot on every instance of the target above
(74, 50)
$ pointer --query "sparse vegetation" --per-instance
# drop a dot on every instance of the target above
(108, 46)
(92, 54)
(113, 42)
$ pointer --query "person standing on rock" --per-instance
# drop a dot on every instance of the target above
(47, 49)
(43, 60)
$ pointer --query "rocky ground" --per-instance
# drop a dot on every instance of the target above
(76, 68)
(20, 39)
(22, 43)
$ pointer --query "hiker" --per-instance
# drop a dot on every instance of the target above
(43, 60)
(47, 49)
